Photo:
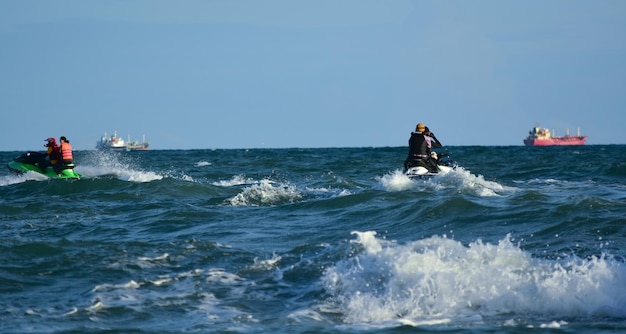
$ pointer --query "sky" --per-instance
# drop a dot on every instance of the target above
(229, 74)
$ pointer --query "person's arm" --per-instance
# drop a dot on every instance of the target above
(435, 142)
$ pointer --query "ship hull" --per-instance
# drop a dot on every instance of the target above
(111, 148)
(556, 141)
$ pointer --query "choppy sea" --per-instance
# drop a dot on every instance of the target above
(331, 240)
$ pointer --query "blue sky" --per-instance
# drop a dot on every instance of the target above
(288, 73)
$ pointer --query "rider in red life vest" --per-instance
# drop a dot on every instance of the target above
(53, 153)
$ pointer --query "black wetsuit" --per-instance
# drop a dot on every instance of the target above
(419, 152)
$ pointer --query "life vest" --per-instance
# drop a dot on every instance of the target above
(419, 145)
(53, 154)
(66, 151)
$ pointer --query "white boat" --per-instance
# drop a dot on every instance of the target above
(114, 143)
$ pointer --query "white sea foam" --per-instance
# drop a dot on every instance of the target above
(137, 295)
(458, 179)
(302, 316)
(20, 178)
(95, 307)
(218, 275)
(328, 192)
(202, 163)
(464, 180)
(435, 279)
(128, 285)
(267, 264)
(236, 180)
(396, 181)
(124, 173)
(102, 163)
(13, 179)
(162, 281)
(266, 193)
(154, 259)
(554, 324)
(74, 310)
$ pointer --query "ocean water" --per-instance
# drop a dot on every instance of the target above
(330, 240)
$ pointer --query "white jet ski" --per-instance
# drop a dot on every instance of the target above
(421, 172)
(443, 165)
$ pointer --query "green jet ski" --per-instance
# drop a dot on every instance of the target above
(31, 161)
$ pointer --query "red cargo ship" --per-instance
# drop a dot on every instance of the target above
(542, 137)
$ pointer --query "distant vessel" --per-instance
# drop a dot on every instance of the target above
(116, 143)
(137, 146)
(542, 137)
